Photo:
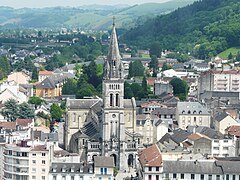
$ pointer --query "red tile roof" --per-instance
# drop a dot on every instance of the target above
(151, 81)
(197, 136)
(23, 122)
(45, 73)
(8, 125)
(151, 156)
(234, 130)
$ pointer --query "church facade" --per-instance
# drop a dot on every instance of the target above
(104, 126)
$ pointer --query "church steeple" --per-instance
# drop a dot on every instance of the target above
(113, 64)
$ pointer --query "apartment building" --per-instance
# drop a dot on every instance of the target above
(27, 160)
(212, 80)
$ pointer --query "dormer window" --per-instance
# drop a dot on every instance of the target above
(189, 112)
(183, 112)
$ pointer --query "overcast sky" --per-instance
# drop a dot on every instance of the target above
(51, 3)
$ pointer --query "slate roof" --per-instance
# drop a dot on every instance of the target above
(164, 111)
(23, 122)
(220, 116)
(191, 167)
(80, 103)
(229, 167)
(151, 156)
(211, 133)
(103, 161)
(70, 168)
(51, 81)
(191, 107)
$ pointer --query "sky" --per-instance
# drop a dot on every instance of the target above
(52, 3)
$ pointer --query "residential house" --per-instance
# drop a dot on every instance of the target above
(222, 121)
(52, 86)
(7, 94)
(43, 75)
(70, 171)
(147, 108)
(191, 114)
(201, 67)
(104, 167)
(150, 163)
(19, 77)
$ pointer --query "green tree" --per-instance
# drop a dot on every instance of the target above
(10, 110)
(136, 69)
(70, 87)
(56, 112)
(238, 57)
(128, 94)
(25, 111)
(166, 66)
(4, 67)
(180, 88)
(155, 49)
(230, 56)
(145, 87)
(37, 101)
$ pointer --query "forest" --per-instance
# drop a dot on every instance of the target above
(204, 29)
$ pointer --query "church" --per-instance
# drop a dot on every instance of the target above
(104, 126)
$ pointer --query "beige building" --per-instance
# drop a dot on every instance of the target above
(222, 121)
(19, 78)
(192, 114)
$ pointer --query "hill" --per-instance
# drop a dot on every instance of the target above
(204, 28)
(86, 17)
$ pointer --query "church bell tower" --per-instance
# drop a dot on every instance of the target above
(113, 135)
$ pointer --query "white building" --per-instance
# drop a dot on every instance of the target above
(192, 114)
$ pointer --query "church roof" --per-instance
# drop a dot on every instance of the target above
(81, 103)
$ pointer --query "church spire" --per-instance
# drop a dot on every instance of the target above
(113, 62)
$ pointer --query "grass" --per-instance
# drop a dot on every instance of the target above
(233, 50)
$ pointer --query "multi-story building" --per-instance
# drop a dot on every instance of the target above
(192, 114)
(226, 81)
(27, 160)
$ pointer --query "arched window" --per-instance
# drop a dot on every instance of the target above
(194, 112)
(114, 63)
(200, 112)
(111, 99)
(117, 100)
(189, 112)
(183, 112)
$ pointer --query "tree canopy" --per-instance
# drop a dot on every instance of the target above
(180, 88)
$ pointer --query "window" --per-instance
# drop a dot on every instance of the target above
(43, 170)
(167, 176)
(233, 177)
(54, 177)
(43, 162)
(43, 154)
(43, 178)
(33, 170)
(99, 178)
(174, 175)
(182, 176)
(218, 177)
(209, 177)
(165, 116)
(202, 176)
(225, 148)
(157, 168)
(149, 177)
(216, 148)
(200, 121)
(227, 177)
(111, 99)
(24, 154)
(33, 177)
(34, 161)
(192, 176)
(105, 170)
(194, 120)
(72, 177)
(109, 178)
(183, 122)
(34, 154)
(117, 100)
(149, 168)
(157, 177)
